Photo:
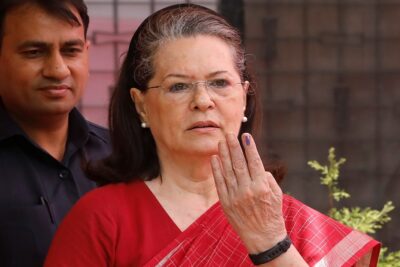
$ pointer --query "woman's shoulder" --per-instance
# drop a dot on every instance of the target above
(291, 202)
(110, 197)
(315, 234)
(293, 205)
(90, 232)
(297, 213)
(304, 222)
(115, 189)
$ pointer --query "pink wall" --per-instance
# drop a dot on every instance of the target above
(95, 101)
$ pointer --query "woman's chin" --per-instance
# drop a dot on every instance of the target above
(203, 149)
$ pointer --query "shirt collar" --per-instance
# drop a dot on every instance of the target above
(78, 129)
(8, 127)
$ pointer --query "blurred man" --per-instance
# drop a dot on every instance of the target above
(45, 143)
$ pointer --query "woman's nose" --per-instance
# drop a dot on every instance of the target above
(202, 99)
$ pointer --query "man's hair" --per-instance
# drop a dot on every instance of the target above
(59, 8)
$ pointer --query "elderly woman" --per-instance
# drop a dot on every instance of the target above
(186, 185)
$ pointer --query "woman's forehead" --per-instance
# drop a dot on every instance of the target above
(199, 54)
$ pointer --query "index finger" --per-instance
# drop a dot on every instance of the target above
(254, 162)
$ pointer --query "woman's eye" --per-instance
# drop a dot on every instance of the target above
(177, 87)
(218, 83)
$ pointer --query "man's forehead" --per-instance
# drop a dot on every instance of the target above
(32, 22)
(32, 12)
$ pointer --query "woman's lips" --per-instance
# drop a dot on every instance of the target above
(203, 126)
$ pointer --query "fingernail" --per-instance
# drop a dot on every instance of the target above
(247, 139)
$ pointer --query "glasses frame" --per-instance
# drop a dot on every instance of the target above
(194, 84)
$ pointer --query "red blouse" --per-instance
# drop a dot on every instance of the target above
(120, 218)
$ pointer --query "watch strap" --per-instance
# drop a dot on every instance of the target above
(272, 253)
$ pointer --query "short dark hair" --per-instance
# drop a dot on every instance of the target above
(59, 8)
(134, 154)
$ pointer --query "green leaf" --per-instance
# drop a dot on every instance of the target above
(389, 259)
(366, 220)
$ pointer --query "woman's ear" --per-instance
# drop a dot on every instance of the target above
(137, 97)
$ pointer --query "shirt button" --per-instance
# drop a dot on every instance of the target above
(63, 174)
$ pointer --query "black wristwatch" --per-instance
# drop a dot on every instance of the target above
(271, 253)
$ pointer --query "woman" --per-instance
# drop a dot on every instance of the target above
(182, 190)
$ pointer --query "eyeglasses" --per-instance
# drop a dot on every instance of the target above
(219, 87)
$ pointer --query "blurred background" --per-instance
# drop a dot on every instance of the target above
(328, 73)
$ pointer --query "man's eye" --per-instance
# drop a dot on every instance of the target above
(218, 83)
(32, 53)
(179, 87)
(72, 51)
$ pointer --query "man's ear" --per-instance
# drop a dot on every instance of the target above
(87, 44)
(137, 97)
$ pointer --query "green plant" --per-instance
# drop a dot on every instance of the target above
(366, 220)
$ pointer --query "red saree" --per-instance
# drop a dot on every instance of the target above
(210, 241)
(124, 225)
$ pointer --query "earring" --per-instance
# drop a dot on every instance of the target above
(244, 119)
(143, 125)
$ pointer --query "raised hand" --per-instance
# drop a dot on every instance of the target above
(250, 196)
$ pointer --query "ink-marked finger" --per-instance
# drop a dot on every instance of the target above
(254, 162)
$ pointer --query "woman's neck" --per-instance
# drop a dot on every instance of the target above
(187, 173)
(186, 190)
(191, 179)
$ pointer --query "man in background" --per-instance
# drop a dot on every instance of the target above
(45, 143)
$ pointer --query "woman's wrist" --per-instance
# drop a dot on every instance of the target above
(260, 243)
(272, 253)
